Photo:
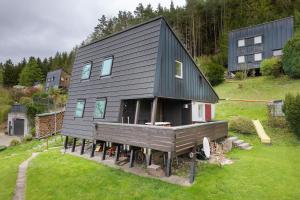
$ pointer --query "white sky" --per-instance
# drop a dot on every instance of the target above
(40, 28)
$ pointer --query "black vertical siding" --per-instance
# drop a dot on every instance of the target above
(275, 34)
(191, 87)
(133, 74)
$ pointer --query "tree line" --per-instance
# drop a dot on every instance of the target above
(34, 70)
(202, 25)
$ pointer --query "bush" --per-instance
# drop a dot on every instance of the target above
(240, 75)
(14, 142)
(27, 138)
(271, 67)
(25, 100)
(242, 125)
(291, 57)
(213, 71)
(32, 132)
(291, 109)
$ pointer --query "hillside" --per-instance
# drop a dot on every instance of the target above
(265, 172)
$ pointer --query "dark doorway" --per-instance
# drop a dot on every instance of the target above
(19, 127)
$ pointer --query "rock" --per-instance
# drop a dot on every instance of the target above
(227, 145)
(155, 170)
(237, 142)
(154, 167)
(232, 138)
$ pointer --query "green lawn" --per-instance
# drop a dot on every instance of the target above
(265, 172)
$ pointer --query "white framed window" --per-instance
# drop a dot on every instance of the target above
(178, 69)
(86, 71)
(241, 59)
(80, 108)
(277, 52)
(106, 66)
(258, 57)
(258, 39)
(198, 111)
(241, 43)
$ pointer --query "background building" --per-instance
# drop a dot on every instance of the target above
(250, 45)
(57, 79)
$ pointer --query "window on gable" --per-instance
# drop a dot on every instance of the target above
(99, 111)
(86, 71)
(79, 108)
(258, 57)
(106, 66)
(258, 39)
(241, 43)
(241, 59)
(277, 52)
(178, 69)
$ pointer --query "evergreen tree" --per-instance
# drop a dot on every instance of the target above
(1, 74)
(31, 73)
(10, 75)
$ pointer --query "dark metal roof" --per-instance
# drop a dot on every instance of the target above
(18, 108)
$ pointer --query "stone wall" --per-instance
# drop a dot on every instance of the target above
(45, 124)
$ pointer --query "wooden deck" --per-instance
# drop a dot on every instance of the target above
(176, 139)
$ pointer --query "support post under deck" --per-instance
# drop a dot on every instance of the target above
(74, 144)
(82, 147)
(93, 149)
(103, 151)
(66, 142)
(169, 164)
(131, 157)
(117, 153)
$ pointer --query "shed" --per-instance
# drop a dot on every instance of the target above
(18, 123)
(57, 79)
(276, 108)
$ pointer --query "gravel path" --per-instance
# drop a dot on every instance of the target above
(21, 180)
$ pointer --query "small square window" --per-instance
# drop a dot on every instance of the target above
(277, 52)
(241, 59)
(258, 39)
(100, 108)
(86, 71)
(258, 57)
(106, 66)
(178, 69)
(241, 43)
(79, 108)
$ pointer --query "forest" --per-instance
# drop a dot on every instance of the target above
(202, 25)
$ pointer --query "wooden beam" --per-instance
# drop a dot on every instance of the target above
(74, 144)
(154, 110)
(82, 147)
(103, 151)
(169, 164)
(137, 111)
(148, 157)
(117, 153)
(93, 149)
(131, 160)
(66, 142)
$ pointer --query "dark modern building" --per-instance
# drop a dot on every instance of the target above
(138, 88)
(57, 79)
(250, 45)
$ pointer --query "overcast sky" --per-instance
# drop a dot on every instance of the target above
(40, 28)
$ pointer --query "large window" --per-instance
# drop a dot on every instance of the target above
(100, 108)
(241, 59)
(277, 52)
(178, 69)
(106, 66)
(241, 43)
(79, 108)
(86, 71)
(200, 110)
(258, 57)
(258, 39)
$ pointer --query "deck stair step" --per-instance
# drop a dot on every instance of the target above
(233, 138)
(237, 142)
(243, 145)
(261, 132)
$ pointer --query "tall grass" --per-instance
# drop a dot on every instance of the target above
(5, 104)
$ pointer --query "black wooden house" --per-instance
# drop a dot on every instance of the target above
(141, 88)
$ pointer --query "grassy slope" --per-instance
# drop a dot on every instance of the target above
(266, 172)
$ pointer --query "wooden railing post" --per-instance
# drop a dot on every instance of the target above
(137, 112)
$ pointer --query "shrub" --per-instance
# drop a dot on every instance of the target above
(32, 132)
(4, 110)
(213, 71)
(242, 125)
(291, 57)
(14, 142)
(240, 75)
(25, 100)
(291, 109)
(271, 67)
(27, 138)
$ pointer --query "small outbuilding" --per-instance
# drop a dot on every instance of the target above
(57, 79)
(18, 123)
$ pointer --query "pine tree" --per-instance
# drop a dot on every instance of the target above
(31, 73)
(10, 75)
